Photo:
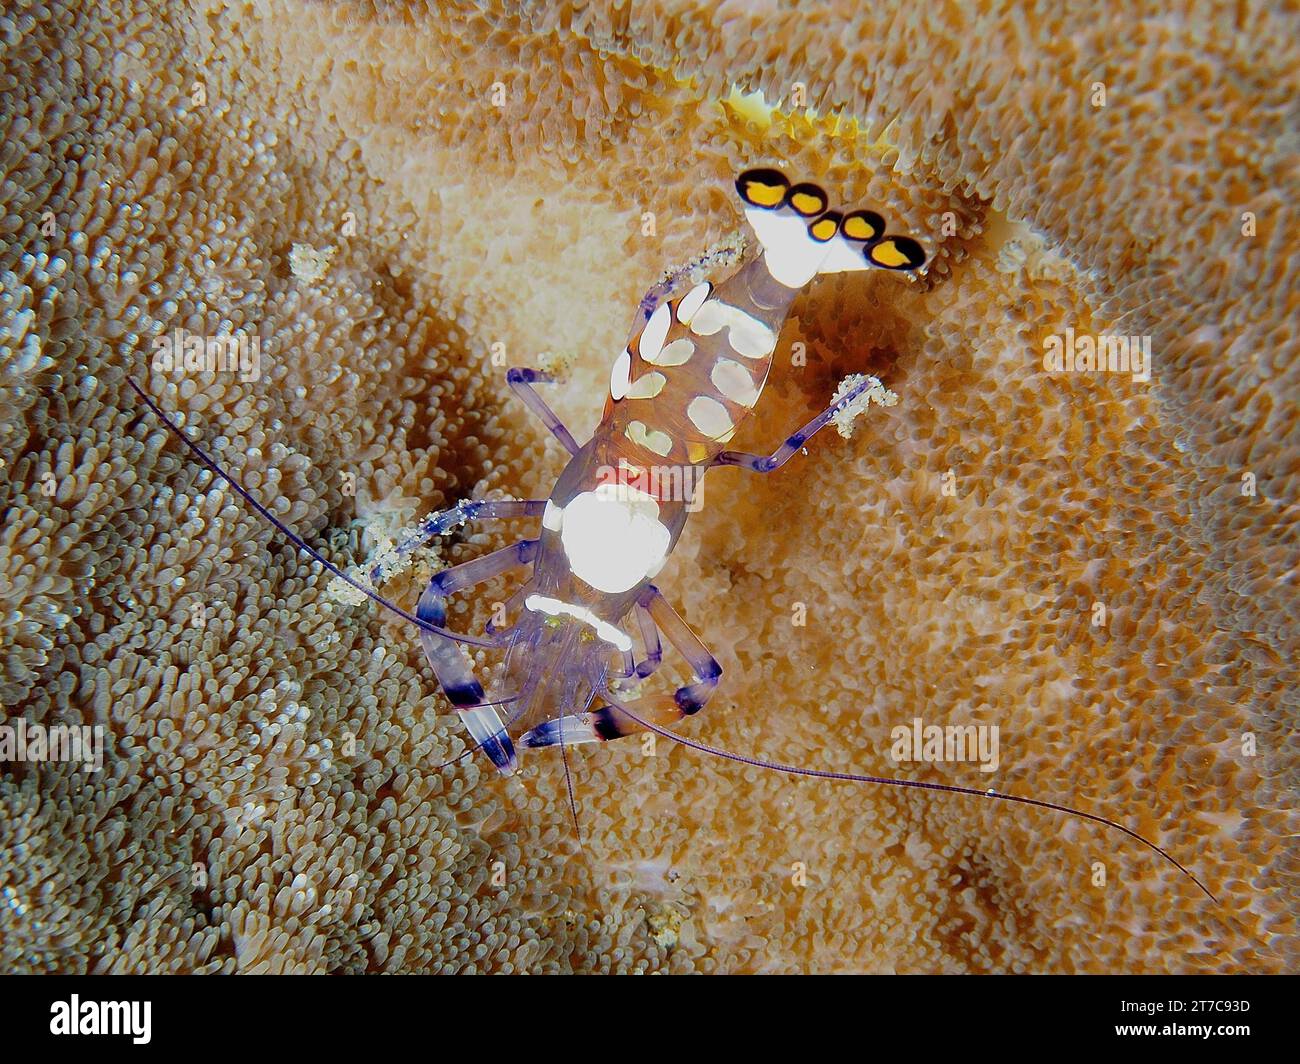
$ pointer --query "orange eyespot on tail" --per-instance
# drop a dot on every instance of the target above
(763, 188)
(862, 226)
(825, 227)
(807, 199)
(896, 253)
(828, 241)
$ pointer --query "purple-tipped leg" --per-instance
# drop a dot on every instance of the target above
(605, 723)
(654, 653)
(765, 463)
(521, 382)
(650, 642)
(452, 667)
(445, 520)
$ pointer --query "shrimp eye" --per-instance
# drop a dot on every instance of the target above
(807, 199)
(896, 253)
(862, 226)
(762, 188)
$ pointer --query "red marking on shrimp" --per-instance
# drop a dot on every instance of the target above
(671, 483)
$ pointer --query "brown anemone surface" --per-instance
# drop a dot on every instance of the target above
(1101, 567)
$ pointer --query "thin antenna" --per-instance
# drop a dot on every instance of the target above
(795, 770)
(292, 536)
(568, 783)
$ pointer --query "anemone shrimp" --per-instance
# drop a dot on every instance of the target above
(693, 369)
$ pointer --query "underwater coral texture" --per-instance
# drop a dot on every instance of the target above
(398, 200)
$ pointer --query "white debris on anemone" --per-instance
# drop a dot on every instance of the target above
(308, 263)
(557, 364)
(386, 557)
(875, 392)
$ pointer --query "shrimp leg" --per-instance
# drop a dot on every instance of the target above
(445, 520)
(606, 723)
(654, 653)
(521, 381)
(760, 463)
(452, 667)
(653, 650)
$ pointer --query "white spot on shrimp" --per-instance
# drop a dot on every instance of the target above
(618, 376)
(654, 333)
(747, 335)
(553, 607)
(735, 382)
(553, 516)
(613, 537)
(651, 439)
(692, 301)
(647, 387)
(710, 417)
(675, 354)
